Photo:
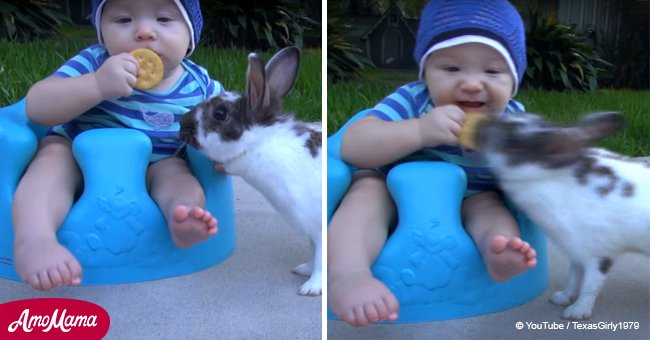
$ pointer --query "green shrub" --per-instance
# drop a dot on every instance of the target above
(256, 25)
(629, 56)
(344, 60)
(559, 57)
(27, 20)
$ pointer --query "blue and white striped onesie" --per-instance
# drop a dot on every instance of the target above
(412, 101)
(155, 113)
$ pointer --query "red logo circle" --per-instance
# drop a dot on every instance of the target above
(53, 318)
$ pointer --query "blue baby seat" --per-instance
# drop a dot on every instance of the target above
(115, 229)
(429, 262)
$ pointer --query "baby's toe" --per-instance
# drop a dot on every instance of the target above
(206, 216)
(516, 243)
(393, 307)
(372, 315)
(531, 254)
(531, 263)
(33, 281)
(349, 317)
(498, 244)
(525, 247)
(180, 213)
(56, 279)
(360, 319)
(387, 309)
(43, 281)
(65, 273)
(199, 213)
(75, 272)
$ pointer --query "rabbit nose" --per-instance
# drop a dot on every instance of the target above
(187, 123)
(187, 135)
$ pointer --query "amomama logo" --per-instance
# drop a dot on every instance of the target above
(53, 318)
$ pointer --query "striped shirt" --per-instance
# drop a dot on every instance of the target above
(156, 113)
(412, 101)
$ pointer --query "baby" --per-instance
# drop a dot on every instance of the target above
(98, 87)
(471, 58)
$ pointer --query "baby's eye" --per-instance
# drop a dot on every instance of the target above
(451, 68)
(493, 71)
(164, 19)
(124, 20)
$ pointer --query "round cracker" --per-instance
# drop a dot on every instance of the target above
(150, 68)
(468, 130)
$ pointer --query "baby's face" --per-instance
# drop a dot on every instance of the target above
(155, 24)
(473, 76)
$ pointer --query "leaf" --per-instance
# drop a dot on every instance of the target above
(11, 27)
(232, 29)
(269, 36)
(593, 84)
(565, 79)
(242, 21)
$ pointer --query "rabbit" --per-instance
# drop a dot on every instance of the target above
(592, 203)
(275, 153)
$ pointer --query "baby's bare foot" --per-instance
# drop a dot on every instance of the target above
(45, 264)
(190, 226)
(509, 257)
(360, 299)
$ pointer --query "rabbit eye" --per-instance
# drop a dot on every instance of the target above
(220, 115)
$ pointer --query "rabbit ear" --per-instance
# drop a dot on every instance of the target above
(565, 145)
(560, 147)
(282, 70)
(599, 125)
(256, 88)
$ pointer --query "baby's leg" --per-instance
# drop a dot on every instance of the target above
(496, 234)
(182, 200)
(42, 200)
(356, 234)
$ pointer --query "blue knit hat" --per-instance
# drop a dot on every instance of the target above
(190, 9)
(447, 23)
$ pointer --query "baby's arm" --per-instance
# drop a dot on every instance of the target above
(372, 142)
(57, 100)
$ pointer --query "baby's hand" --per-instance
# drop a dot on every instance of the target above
(441, 125)
(117, 76)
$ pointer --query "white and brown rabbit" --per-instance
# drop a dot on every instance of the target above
(594, 204)
(276, 154)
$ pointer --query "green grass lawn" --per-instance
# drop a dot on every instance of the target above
(22, 64)
(346, 98)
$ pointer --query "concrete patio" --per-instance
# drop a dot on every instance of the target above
(625, 297)
(252, 295)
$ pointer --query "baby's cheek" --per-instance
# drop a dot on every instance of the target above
(497, 109)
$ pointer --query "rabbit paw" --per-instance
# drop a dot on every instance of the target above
(313, 286)
(576, 312)
(304, 269)
(561, 299)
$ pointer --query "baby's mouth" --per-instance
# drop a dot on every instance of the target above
(470, 106)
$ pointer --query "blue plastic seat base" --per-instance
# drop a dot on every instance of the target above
(429, 262)
(115, 229)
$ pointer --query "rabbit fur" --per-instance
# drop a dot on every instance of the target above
(594, 204)
(278, 155)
